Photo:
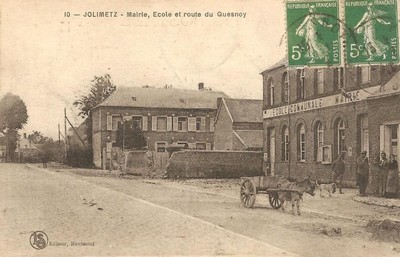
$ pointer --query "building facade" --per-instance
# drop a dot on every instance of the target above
(166, 117)
(238, 124)
(312, 115)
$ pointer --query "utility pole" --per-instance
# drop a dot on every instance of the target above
(59, 138)
(65, 134)
(290, 140)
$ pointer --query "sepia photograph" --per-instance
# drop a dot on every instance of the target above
(199, 128)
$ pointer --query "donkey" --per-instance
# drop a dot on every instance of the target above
(294, 193)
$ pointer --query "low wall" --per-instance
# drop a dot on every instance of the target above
(214, 164)
(136, 162)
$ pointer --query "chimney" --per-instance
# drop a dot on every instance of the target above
(201, 86)
(24, 135)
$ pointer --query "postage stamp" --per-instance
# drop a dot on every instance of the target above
(371, 31)
(313, 29)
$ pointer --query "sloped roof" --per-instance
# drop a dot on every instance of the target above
(251, 138)
(281, 63)
(163, 98)
(392, 87)
(245, 110)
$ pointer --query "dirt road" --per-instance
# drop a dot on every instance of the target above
(148, 217)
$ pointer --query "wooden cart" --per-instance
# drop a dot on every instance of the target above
(251, 186)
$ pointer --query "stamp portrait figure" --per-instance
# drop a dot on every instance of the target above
(308, 30)
(367, 27)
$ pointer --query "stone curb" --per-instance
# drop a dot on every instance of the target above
(383, 202)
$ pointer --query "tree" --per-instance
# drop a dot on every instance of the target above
(101, 88)
(49, 149)
(13, 116)
(130, 136)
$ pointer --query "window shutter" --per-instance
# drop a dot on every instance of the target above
(208, 146)
(109, 122)
(175, 125)
(145, 122)
(212, 124)
(192, 124)
(319, 154)
(154, 123)
(169, 123)
(203, 124)
(109, 146)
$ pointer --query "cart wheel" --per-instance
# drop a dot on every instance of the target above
(248, 193)
(274, 200)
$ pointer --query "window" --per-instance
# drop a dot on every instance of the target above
(272, 92)
(338, 77)
(183, 144)
(365, 74)
(302, 143)
(340, 146)
(201, 146)
(301, 84)
(182, 123)
(161, 146)
(285, 144)
(319, 78)
(137, 121)
(285, 88)
(201, 124)
(162, 123)
(364, 133)
(115, 121)
(393, 140)
(319, 140)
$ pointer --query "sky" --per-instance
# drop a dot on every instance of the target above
(49, 60)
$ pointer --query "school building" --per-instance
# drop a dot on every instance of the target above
(311, 115)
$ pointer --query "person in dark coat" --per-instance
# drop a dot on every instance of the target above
(362, 172)
(392, 182)
(338, 169)
(383, 174)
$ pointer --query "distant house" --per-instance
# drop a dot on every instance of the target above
(166, 116)
(238, 125)
(26, 150)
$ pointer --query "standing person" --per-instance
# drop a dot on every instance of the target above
(308, 30)
(362, 172)
(392, 182)
(383, 174)
(338, 169)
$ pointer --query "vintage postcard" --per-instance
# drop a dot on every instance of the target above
(199, 128)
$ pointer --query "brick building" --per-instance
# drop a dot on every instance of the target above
(238, 124)
(166, 116)
(311, 115)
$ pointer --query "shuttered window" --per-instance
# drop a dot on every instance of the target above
(169, 123)
(212, 124)
(192, 124)
(145, 123)
(154, 123)
(175, 124)
(109, 122)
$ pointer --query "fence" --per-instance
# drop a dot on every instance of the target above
(214, 164)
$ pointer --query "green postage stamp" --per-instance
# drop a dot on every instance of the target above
(371, 31)
(313, 29)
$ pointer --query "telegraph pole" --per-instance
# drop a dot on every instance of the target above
(65, 134)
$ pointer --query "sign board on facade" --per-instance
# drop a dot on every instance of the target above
(338, 99)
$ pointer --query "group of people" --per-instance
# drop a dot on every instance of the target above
(388, 174)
